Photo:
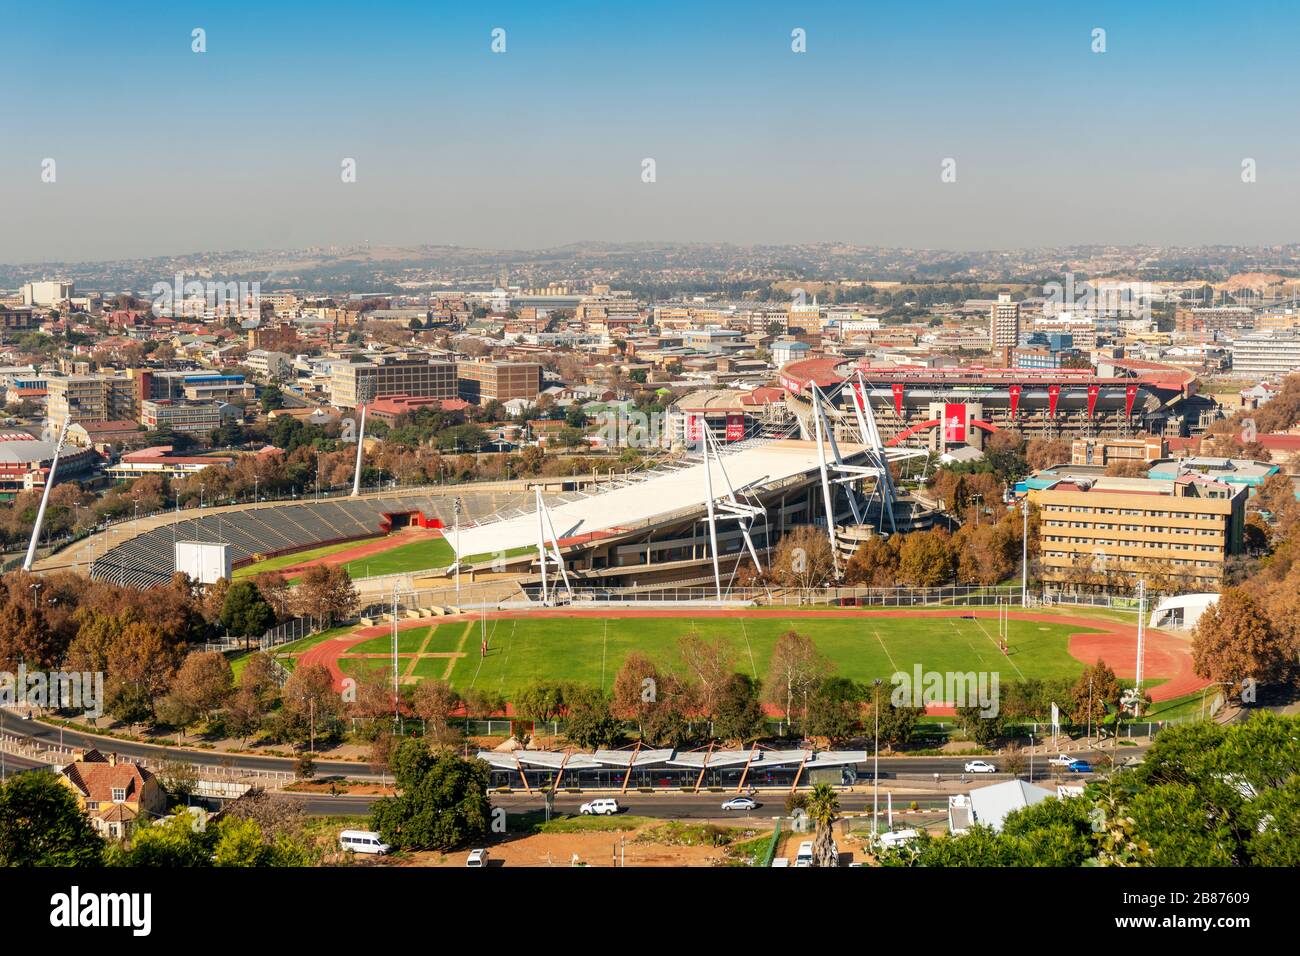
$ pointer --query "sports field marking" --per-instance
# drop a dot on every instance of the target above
(505, 663)
(491, 634)
(604, 647)
(1007, 655)
(745, 634)
(892, 663)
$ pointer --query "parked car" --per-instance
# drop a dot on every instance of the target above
(980, 766)
(602, 807)
(804, 856)
(895, 838)
(363, 841)
(741, 803)
(1062, 760)
(477, 858)
(1080, 766)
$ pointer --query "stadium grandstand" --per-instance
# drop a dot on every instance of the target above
(275, 528)
(911, 403)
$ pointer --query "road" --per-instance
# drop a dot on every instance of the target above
(903, 775)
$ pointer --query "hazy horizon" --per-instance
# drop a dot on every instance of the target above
(161, 151)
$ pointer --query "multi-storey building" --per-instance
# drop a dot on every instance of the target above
(198, 418)
(1183, 529)
(485, 381)
(1264, 354)
(353, 383)
(1004, 323)
(91, 398)
(1109, 451)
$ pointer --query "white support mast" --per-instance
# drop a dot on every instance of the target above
(826, 482)
(1142, 630)
(45, 497)
(713, 518)
(545, 554)
(541, 549)
(361, 453)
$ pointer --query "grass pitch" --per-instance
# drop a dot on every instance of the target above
(590, 650)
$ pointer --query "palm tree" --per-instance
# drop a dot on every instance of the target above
(824, 810)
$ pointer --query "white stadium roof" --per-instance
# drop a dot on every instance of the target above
(659, 494)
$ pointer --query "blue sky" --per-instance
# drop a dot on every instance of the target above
(162, 150)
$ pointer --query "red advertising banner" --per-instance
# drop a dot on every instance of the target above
(1093, 391)
(1130, 393)
(1014, 392)
(898, 398)
(954, 423)
(859, 395)
(1053, 393)
(694, 429)
(735, 426)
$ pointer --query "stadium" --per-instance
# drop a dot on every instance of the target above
(1121, 398)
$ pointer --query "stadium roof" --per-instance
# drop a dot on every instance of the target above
(656, 496)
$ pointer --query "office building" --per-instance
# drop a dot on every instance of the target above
(353, 383)
(485, 381)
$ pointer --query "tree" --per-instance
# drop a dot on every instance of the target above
(173, 842)
(441, 802)
(874, 563)
(823, 809)
(898, 724)
(1235, 641)
(309, 707)
(1098, 688)
(803, 559)
(926, 558)
(327, 591)
(795, 670)
(739, 714)
(588, 721)
(434, 702)
(636, 688)
(245, 613)
(41, 824)
(709, 664)
(204, 681)
(539, 702)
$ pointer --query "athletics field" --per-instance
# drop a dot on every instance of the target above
(589, 647)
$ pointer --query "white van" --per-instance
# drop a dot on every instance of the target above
(804, 856)
(363, 841)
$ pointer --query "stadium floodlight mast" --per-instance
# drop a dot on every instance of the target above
(725, 507)
(361, 453)
(552, 553)
(45, 497)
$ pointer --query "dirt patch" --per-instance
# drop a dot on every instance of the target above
(591, 849)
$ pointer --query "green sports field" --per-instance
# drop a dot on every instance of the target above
(590, 650)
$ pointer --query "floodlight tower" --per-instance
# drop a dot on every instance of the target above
(361, 453)
(45, 497)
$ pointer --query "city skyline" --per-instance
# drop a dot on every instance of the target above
(543, 144)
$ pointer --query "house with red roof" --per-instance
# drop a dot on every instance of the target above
(114, 793)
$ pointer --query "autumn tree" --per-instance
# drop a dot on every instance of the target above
(1235, 641)
(803, 559)
(310, 707)
(795, 670)
(709, 666)
(875, 563)
(1096, 690)
(926, 558)
(434, 703)
(327, 591)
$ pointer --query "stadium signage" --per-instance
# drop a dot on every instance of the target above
(1053, 393)
(1014, 392)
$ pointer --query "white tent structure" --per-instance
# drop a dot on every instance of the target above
(1181, 612)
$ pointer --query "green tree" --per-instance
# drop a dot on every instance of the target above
(823, 809)
(245, 612)
(441, 804)
(41, 824)
(740, 714)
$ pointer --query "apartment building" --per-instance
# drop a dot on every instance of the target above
(1108, 451)
(17, 320)
(1263, 354)
(1004, 323)
(275, 338)
(485, 381)
(91, 398)
(1184, 528)
(268, 364)
(355, 382)
(198, 418)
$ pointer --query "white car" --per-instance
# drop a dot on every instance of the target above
(1062, 760)
(606, 806)
(477, 858)
(741, 803)
(980, 766)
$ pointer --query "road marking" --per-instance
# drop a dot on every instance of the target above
(995, 644)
